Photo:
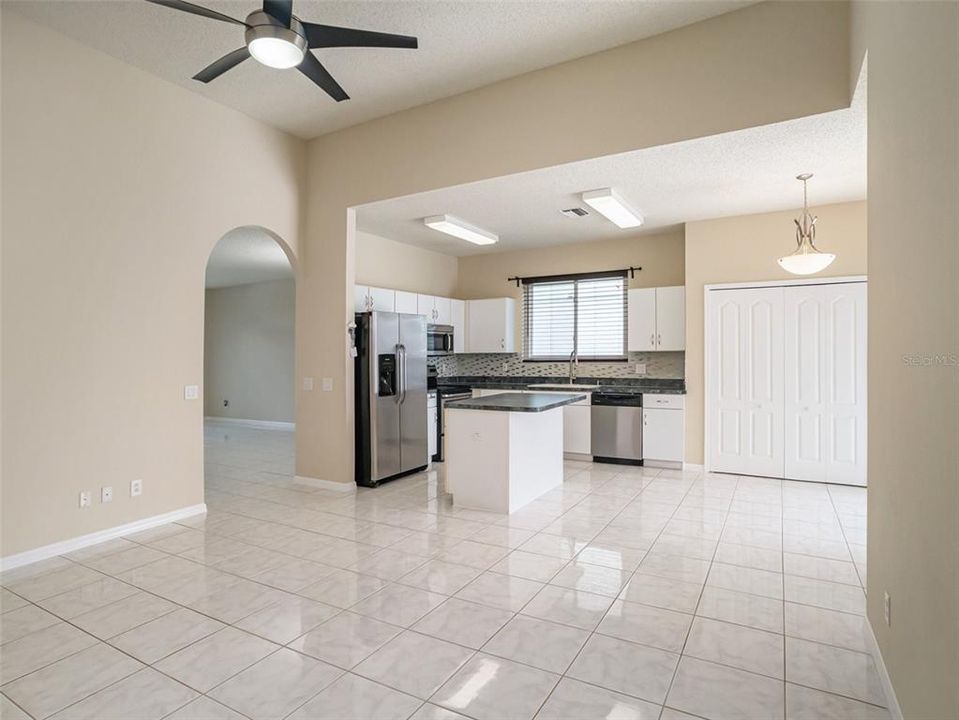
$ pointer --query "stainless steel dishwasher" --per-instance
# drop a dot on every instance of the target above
(616, 432)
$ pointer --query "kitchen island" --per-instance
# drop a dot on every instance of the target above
(503, 451)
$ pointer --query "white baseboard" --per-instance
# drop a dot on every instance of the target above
(325, 484)
(67, 546)
(894, 710)
(260, 424)
(694, 466)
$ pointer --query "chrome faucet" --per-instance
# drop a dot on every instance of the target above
(573, 365)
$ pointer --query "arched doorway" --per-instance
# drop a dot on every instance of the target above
(248, 359)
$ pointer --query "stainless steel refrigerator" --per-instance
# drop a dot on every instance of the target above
(390, 396)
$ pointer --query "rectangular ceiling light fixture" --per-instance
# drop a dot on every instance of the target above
(461, 229)
(608, 202)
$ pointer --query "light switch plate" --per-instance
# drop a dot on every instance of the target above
(191, 392)
(106, 494)
(136, 488)
(85, 500)
(307, 383)
(327, 384)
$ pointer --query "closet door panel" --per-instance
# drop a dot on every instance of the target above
(845, 383)
(805, 408)
(745, 401)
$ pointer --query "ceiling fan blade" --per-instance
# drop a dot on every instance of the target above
(312, 68)
(324, 36)
(197, 10)
(281, 10)
(228, 61)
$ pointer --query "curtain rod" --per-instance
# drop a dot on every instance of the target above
(572, 276)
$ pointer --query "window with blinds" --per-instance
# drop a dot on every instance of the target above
(587, 312)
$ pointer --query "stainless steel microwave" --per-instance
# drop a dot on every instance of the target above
(439, 340)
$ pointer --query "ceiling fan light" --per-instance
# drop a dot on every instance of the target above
(276, 52)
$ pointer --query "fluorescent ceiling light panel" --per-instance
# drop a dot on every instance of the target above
(460, 229)
(607, 202)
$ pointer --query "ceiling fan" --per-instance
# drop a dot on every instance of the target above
(279, 40)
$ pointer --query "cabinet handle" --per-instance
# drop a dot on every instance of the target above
(659, 339)
(652, 339)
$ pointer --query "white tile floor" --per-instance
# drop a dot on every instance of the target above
(631, 592)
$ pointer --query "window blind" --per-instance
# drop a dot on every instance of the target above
(587, 312)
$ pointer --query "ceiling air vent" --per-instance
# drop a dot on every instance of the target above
(574, 212)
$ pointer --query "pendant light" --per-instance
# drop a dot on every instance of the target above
(807, 259)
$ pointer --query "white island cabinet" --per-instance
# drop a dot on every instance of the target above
(503, 451)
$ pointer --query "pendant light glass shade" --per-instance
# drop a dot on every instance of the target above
(807, 259)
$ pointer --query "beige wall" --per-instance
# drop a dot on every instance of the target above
(660, 256)
(386, 263)
(116, 186)
(745, 248)
(248, 351)
(735, 71)
(913, 539)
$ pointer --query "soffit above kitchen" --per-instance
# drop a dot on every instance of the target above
(462, 46)
(738, 173)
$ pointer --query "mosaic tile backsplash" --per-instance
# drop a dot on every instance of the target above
(658, 365)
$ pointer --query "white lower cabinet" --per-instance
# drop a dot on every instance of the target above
(663, 434)
(576, 428)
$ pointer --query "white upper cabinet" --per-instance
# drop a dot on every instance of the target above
(491, 325)
(442, 311)
(657, 319)
(382, 299)
(671, 318)
(458, 321)
(425, 306)
(367, 298)
(361, 298)
(641, 310)
(405, 302)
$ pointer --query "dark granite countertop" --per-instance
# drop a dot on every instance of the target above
(619, 386)
(517, 402)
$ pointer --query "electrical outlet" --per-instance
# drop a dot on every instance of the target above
(191, 392)
(85, 500)
(640, 369)
(106, 494)
(136, 488)
(327, 384)
(886, 607)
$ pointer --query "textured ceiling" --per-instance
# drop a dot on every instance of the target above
(463, 45)
(246, 255)
(737, 173)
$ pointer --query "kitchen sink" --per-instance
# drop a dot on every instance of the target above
(562, 386)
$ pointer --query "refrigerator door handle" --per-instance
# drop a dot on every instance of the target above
(405, 373)
(398, 380)
(400, 373)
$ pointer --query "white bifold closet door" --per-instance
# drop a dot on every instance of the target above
(786, 375)
(745, 374)
(826, 382)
